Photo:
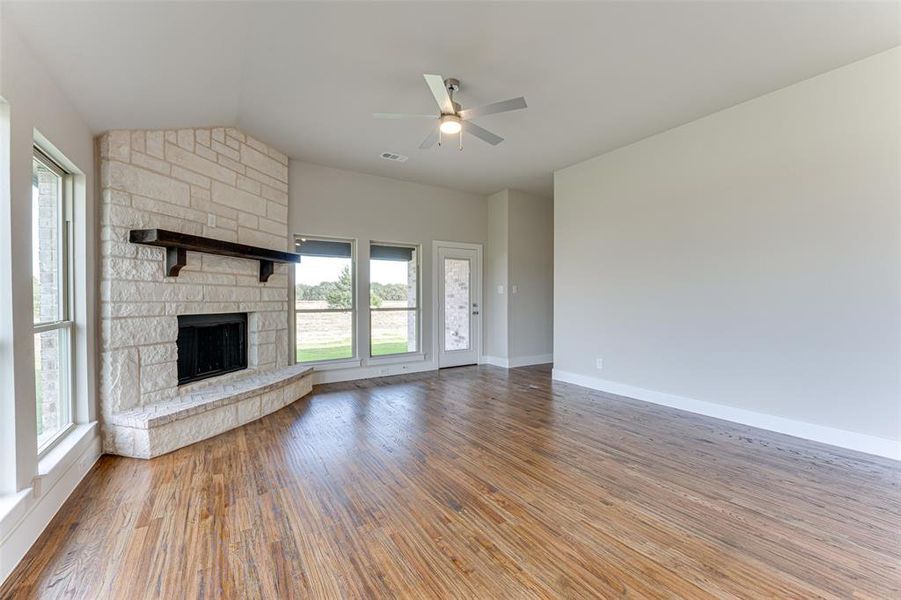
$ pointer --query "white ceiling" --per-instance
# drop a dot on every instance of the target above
(306, 76)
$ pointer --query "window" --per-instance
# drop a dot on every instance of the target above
(53, 328)
(324, 300)
(393, 299)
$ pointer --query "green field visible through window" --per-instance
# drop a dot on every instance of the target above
(315, 353)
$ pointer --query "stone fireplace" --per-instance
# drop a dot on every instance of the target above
(217, 183)
(210, 345)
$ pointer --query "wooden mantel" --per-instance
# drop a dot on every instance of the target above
(178, 244)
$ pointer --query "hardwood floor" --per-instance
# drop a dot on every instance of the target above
(477, 483)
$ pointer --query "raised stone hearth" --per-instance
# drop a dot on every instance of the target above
(159, 428)
(217, 183)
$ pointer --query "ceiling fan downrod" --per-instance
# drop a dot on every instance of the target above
(453, 85)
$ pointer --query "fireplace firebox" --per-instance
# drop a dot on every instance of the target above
(211, 345)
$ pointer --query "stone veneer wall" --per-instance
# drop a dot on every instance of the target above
(218, 183)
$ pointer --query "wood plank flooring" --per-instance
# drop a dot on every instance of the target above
(477, 483)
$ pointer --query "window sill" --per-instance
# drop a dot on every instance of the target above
(14, 507)
(62, 455)
(48, 446)
(394, 359)
(331, 365)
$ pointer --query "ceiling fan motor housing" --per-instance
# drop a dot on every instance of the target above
(453, 85)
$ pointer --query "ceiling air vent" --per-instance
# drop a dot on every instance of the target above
(394, 156)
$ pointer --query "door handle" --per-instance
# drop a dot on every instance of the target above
(475, 312)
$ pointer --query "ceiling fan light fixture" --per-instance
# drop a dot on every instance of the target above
(451, 115)
(450, 124)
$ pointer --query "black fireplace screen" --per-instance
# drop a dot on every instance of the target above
(210, 345)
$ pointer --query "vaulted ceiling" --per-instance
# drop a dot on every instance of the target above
(306, 77)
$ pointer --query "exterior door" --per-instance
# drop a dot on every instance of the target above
(459, 308)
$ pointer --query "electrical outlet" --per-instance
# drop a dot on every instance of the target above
(599, 363)
(500, 289)
(211, 220)
(514, 289)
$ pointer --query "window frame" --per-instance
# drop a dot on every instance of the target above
(353, 301)
(418, 308)
(66, 322)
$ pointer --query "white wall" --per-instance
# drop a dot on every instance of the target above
(338, 203)
(519, 326)
(749, 259)
(32, 491)
(531, 252)
(496, 279)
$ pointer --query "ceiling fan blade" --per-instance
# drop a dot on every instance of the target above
(436, 84)
(401, 116)
(496, 107)
(429, 141)
(482, 134)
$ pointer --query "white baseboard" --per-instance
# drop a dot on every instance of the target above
(388, 368)
(496, 361)
(518, 361)
(525, 361)
(869, 444)
(35, 507)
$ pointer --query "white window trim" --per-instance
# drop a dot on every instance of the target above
(396, 359)
(335, 364)
(398, 356)
(67, 322)
(347, 361)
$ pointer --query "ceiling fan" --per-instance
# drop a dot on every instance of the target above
(452, 119)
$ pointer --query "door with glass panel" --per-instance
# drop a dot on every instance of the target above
(459, 310)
